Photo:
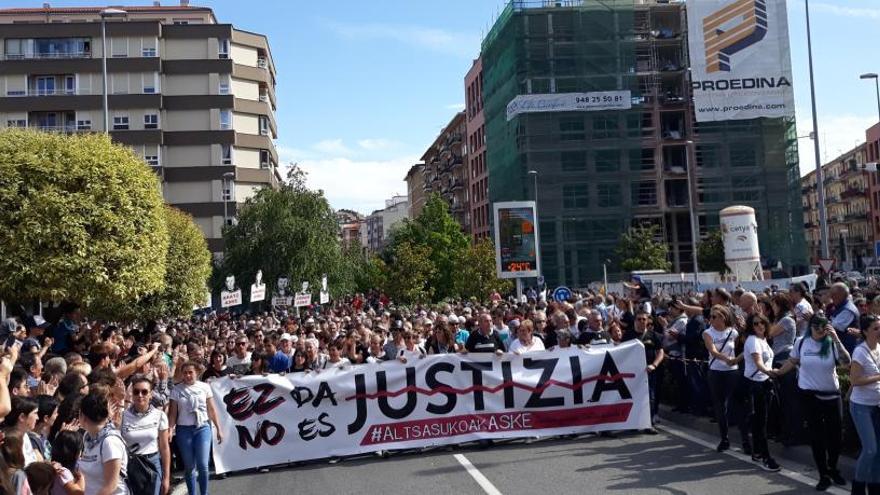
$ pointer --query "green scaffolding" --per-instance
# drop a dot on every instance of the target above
(601, 172)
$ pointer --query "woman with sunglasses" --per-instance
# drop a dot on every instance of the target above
(864, 376)
(720, 341)
(758, 357)
(817, 356)
(145, 431)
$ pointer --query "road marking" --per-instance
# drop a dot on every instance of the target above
(788, 473)
(475, 473)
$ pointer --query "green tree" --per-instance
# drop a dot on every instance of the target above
(188, 269)
(367, 271)
(286, 232)
(410, 274)
(82, 220)
(435, 229)
(710, 253)
(477, 276)
(638, 249)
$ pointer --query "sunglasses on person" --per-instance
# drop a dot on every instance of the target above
(140, 392)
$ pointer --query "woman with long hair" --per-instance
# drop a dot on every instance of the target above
(67, 446)
(13, 458)
(816, 356)
(23, 418)
(864, 407)
(720, 340)
(758, 356)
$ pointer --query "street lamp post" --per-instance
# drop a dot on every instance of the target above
(104, 15)
(876, 79)
(820, 187)
(228, 177)
(692, 208)
(534, 174)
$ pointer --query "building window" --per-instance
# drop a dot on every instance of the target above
(644, 193)
(575, 196)
(120, 123)
(572, 161)
(152, 160)
(226, 154)
(571, 129)
(148, 52)
(151, 121)
(605, 127)
(223, 89)
(150, 80)
(228, 190)
(70, 85)
(264, 126)
(609, 195)
(264, 159)
(45, 85)
(16, 123)
(224, 49)
(607, 161)
(225, 119)
(119, 47)
(84, 125)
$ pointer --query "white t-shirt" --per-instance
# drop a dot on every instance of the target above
(91, 464)
(802, 313)
(239, 366)
(141, 431)
(725, 344)
(816, 373)
(866, 395)
(338, 364)
(192, 403)
(517, 346)
(754, 345)
(27, 448)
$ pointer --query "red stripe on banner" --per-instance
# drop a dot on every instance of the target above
(492, 390)
(426, 429)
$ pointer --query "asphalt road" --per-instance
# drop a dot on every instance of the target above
(678, 461)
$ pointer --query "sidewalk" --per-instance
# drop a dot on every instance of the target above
(798, 454)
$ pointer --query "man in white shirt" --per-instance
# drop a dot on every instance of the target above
(239, 363)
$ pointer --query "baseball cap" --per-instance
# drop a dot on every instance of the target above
(285, 336)
(37, 321)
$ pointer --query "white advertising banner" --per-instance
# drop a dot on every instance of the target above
(740, 59)
(569, 102)
(439, 400)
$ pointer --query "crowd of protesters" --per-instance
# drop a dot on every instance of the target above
(94, 408)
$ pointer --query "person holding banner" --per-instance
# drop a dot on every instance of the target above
(525, 341)
(485, 339)
(191, 414)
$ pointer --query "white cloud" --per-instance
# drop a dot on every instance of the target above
(377, 144)
(438, 40)
(332, 146)
(360, 185)
(858, 12)
(455, 106)
(837, 135)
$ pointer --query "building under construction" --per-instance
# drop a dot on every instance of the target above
(600, 172)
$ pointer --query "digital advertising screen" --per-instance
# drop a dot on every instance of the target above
(516, 240)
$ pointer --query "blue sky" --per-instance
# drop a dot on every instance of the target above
(364, 87)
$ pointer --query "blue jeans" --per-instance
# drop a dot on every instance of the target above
(867, 422)
(156, 460)
(195, 449)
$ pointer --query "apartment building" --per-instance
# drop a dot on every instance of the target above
(380, 223)
(350, 225)
(194, 97)
(475, 129)
(416, 189)
(848, 207)
(445, 171)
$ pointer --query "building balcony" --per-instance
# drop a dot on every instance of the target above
(853, 192)
(457, 185)
(65, 129)
(863, 216)
(46, 55)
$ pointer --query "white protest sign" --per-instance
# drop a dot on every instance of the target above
(258, 289)
(230, 296)
(302, 299)
(442, 399)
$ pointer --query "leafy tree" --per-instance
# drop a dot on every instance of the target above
(188, 269)
(638, 249)
(368, 271)
(286, 232)
(477, 276)
(82, 220)
(410, 274)
(437, 230)
(710, 253)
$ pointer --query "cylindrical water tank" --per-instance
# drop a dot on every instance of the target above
(740, 233)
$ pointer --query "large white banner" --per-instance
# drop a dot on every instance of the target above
(569, 102)
(437, 400)
(740, 59)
